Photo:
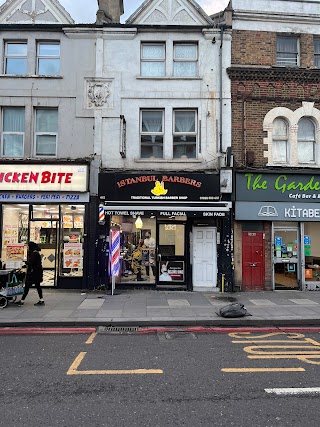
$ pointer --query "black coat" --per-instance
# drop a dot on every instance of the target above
(34, 267)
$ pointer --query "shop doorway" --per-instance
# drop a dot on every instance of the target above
(286, 256)
(171, 250)
(46, 234)
(204, 258)
(253, 268)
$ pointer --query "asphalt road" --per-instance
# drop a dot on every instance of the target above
(186, 380)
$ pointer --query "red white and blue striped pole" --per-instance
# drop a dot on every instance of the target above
(114, 256)
(101, 215)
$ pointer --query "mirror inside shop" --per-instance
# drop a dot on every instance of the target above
(149, 254)
(57, 229)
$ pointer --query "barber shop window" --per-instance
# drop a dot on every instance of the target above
(48, 58)
(15, 61)
(13, 131)
(151, 134)
(287, 51)
(184, 134)
(306, 141)
(280, 141)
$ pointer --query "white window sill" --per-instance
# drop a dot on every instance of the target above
(29, 76)
(167, 160)
(167, 78)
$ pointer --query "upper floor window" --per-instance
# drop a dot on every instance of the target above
(280, 141)
(185, 60)
(13, 129)
(46, 136)
(153, 59)
(292, 136)
(15, 58)
(287, 51)
(184, 134)
(151, 134)
(48, 58)
(306, 141)
(317, 53)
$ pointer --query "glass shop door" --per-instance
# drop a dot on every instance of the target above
(171, 254)
(286, 257)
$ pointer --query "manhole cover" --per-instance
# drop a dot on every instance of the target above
(177, 335)
(117, 329)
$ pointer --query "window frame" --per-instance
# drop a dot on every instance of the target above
(281, 62)
(185, 60)
(277, 161)
(41, 133)
(147, 60)
(13, 56)
(314, 143)
(316, 60)
(179, 134)
(162, 133)
(39, 56)
(3, 132)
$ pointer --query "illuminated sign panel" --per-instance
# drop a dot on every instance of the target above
(58, 178)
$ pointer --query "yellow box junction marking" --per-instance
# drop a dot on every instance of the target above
(91, 338)
(276, 345)
(73, 370)
(239, 370)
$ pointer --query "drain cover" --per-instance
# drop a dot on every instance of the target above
(117, 329)
(177, 335)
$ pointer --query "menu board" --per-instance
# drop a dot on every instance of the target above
(14, 254)
(78, 221)
(67, 221)
(10, 234)
(72, 255)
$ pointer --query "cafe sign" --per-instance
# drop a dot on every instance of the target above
(57, 178)
(159, 187)
(277, 211)
(298, 188)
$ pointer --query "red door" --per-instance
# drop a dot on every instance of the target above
(252, 261)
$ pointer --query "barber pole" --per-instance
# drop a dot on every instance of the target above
(101, 215)
(114, 256)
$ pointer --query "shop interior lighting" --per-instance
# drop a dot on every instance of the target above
(138, 223)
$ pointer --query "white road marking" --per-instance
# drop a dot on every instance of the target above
(303, 301)
(261, 302)
(292, 391)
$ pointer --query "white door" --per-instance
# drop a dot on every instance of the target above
(204, 258)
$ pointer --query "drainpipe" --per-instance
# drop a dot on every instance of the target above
(220, 70)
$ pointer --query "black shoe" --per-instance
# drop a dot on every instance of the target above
(19, 303)
(39, 303)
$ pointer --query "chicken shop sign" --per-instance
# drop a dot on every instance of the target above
(21, 177)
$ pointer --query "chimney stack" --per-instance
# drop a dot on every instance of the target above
(109, 11)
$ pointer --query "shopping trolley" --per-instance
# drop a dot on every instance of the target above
(11, 285)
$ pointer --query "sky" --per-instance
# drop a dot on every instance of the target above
(84, 11)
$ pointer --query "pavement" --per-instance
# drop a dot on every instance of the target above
(162, 308)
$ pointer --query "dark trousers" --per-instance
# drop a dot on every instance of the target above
(28, 285)
(153, 268)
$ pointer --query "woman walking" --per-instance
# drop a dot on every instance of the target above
(34, 274)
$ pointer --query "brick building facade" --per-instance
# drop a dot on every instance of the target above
(275, 90)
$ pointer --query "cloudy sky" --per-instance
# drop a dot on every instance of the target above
(84, 11)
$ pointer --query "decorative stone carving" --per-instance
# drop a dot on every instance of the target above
(99, 93)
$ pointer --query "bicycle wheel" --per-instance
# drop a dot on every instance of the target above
(3, 301)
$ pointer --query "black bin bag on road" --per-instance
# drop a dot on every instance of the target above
(233, 310)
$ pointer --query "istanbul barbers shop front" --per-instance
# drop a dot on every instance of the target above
(278, 230)
(175, 231)
(47, 204)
